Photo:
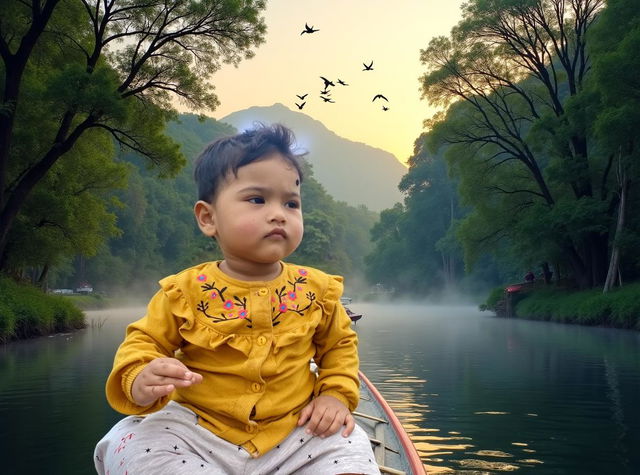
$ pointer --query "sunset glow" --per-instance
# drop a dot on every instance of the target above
(351, 33)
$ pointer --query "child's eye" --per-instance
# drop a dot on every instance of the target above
(257, 200)
(292, 204)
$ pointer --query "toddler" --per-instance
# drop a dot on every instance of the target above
(216, 378)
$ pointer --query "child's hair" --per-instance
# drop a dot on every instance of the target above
(228, 154)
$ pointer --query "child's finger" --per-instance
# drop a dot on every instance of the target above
(325, 424)
(315, 420)
(160, 391)
(333, 427)
(350, 424)
(304, 414)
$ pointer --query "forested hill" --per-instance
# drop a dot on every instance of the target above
(350, 171)
(156, 233)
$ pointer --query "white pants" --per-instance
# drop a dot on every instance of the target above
(170, 441)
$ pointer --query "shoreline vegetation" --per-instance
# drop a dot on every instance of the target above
(618, 308)
(27, 312)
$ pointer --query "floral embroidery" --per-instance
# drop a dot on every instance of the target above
(283, 295)
(223, 316)
(282, 303)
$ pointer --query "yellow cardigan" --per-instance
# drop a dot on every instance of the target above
(252, 342)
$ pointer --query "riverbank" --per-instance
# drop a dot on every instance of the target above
(619, 308)
(26, 312)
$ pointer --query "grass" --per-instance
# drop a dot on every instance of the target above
(619, 308)
(26, 311)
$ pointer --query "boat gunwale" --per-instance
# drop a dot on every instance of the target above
(413, 459)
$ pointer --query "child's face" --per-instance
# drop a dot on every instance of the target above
(256, 217)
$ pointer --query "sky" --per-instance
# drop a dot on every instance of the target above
(351, 32)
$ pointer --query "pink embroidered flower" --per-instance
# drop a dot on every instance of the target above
(302, 271)
(214, 295)
(273, 299)
(298, 288)
(291, 295)
(242, 314)
(283, 307)
(202, 277)
(228, 305)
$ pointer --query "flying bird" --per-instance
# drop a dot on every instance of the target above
(327, 83)
(379, 96)
(385, 108)
(325, 92)
(308, 29)
(301, 97)
(369, 67)
(342, 83)
(327, 99)
(300, 106)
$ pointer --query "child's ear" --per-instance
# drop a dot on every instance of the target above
(205, 217)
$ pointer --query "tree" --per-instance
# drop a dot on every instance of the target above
(416, 248)
(512, 69)
(118, 66)
(615, 41)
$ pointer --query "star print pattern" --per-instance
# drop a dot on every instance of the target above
(205, 462)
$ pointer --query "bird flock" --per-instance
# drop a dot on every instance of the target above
(325, 93)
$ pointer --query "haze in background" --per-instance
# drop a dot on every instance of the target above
(340, 165)
(352, 32)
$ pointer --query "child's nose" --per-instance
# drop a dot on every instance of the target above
(277, 214)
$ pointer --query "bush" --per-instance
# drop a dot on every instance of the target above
(25, 311)
(7, 322)
(619, 308)
(492, 301)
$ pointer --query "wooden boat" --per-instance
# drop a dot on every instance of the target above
(394, 451)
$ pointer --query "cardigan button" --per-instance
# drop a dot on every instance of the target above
(263, 292)
(250, 428)
(262, 340)
(255, 387)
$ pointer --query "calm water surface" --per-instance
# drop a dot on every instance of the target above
(477, 394)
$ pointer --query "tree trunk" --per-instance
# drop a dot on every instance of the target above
(614, 262)
(546, 273)
(29, 180)
(42, 280)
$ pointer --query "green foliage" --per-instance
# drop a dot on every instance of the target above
(68, 213)
(77, 76)
(416, 249)
(541, 138)
(158, 235)
(494, 297)
(26, 312)
(619, 308)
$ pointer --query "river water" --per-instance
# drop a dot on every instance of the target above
(477, 394)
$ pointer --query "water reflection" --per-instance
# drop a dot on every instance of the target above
(482, 395)
(476, 394)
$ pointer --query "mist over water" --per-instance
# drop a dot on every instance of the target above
(477, 394)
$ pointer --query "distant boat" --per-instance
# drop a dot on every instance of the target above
(353, 316)
(392, 447)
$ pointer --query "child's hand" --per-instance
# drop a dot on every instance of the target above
(159, 378)
(326, 415)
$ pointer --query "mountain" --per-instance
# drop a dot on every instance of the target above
(350, 171)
